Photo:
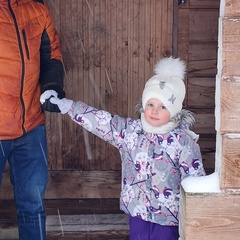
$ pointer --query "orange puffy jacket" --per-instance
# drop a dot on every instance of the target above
(30, 63)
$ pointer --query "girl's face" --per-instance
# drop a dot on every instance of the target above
(156, 114)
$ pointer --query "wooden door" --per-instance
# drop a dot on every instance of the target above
(109, 49)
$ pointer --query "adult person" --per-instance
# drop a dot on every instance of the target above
(30, 63)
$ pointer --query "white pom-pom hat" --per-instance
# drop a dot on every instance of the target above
(167, 85)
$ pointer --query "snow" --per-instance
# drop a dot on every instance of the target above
(204, 184)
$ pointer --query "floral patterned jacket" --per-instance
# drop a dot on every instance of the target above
(153, 165)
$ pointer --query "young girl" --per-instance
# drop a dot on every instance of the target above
(157, 151)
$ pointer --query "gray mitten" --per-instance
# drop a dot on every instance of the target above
(63, 104)
(47, 94)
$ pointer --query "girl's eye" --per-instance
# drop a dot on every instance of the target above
(150, 105)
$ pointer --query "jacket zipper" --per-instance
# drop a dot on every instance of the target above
(25, 43)
(23, 65)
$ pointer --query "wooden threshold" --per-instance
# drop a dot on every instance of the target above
(82, 227)
(66, 207)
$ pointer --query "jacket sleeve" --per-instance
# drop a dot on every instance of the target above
(51, 65)
(190, 162)
(99, 122)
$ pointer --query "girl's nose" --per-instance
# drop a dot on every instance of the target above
(154, 111)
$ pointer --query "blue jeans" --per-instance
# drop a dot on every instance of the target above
(27, 157)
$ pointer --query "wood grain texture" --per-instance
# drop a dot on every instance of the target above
(109, 50)
(204, 4)
(75, 184)
(230, 46)
(90, 226)
(210, 216)
(232, 8)
(198, 45)
(229, 105)
(230, 175)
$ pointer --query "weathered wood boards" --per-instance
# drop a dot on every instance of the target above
(75, 185)
(109, 50)
(210, 216)
(217, 216)
(229, 88)
(198, 44)
(81, 227)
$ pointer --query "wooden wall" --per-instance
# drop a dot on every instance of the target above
(197, 43)
(217, 215)
(109, 49)
(228, 89)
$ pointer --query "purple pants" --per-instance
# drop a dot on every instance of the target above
(142, 230)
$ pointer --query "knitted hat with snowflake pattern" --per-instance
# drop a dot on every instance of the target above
(167, 85)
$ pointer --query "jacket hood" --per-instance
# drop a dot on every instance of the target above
(185, 121)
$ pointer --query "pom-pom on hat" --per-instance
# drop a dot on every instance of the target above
(167, 85)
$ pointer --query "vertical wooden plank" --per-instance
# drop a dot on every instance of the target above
(95, 74)
(142, 50)
(90, 81)
(133, 20)
(118, 92)
(130, 70)
(125, 56)
(165, 35)
(148, 54)
(152, 20)
(113, 81)
(101, 22)
(119, 55)
(183, 41)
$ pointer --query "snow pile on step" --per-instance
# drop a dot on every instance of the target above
(209, 183)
